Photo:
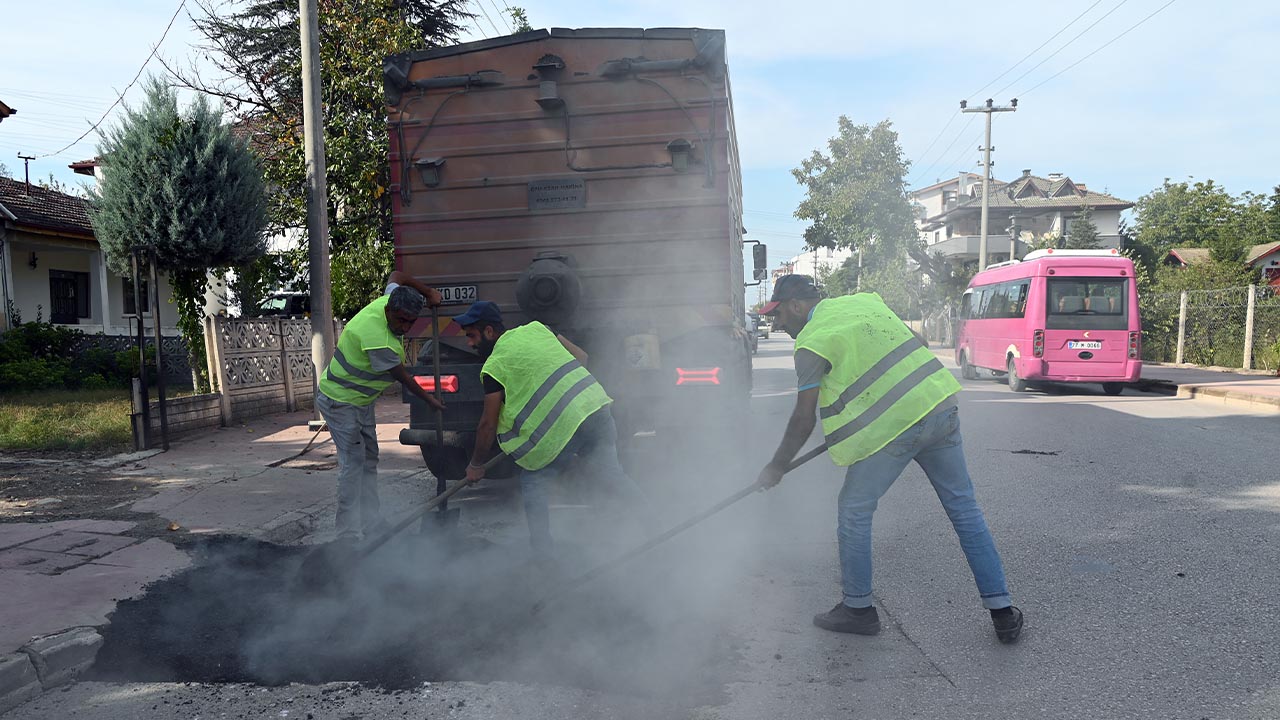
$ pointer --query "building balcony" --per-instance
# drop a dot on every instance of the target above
(964, 248)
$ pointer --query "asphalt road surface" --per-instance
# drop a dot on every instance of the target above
(1138, 532)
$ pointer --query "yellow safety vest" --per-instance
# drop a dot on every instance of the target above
(882, 381)
(548, 394)
(350, 377)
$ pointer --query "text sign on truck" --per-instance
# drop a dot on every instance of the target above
(557, 194)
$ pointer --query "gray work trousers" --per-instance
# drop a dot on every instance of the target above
(354, 433)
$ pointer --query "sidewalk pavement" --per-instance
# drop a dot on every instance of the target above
(59, 579)
(1257, 389)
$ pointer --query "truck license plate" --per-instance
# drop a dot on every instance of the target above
(1084, 344)
(458, 294)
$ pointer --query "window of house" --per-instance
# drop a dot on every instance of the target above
(68, 296)
(129, 307)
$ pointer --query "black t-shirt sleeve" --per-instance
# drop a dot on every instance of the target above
(491, 385)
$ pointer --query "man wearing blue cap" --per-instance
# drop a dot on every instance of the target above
(542, 407)
(369, 357)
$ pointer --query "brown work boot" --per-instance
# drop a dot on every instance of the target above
(844, 619)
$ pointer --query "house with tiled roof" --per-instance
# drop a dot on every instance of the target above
(1264, 258)
(52, 267)
(6, 111)
(949, 214)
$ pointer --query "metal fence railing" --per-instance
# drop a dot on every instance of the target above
(1226, 327)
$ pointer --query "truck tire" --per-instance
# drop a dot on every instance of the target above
(1113, 388)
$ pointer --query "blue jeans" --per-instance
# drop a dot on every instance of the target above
(355, 435)
(934, 443)
(596, 446)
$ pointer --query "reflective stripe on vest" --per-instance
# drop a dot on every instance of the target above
(882, 380)
(350, 377)
(548, 394)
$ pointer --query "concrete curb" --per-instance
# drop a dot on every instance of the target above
(1192, 391)
(46, 663)
(18, 681)
(1228, 396)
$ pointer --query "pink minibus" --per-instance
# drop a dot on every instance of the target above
(1055, 316)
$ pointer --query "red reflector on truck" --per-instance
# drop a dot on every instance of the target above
(698, 376)
(448, 383)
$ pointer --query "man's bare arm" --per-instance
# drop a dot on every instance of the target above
(403, 278)
(574, 350)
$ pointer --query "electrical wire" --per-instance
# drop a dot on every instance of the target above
(925, 155)
(480, 4)
(498, 12)
(994, 80)
(947, 149)
(120, 97)
(1064, 47)
(1100, 48)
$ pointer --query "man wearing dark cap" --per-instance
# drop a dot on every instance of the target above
(542, 407)
(369, 357)
(885, 400)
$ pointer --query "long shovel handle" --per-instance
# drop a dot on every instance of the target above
(659, 539)
(430, 505)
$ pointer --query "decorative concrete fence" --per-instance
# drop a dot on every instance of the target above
(262, 365)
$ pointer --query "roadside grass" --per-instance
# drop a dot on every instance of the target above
(66, 420)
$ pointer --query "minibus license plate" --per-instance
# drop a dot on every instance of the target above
(458, 294)
(1084, 344)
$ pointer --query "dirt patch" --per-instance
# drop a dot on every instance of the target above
(40, 489)
(417, 613)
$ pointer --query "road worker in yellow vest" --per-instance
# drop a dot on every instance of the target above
(543, 408)
(369, 357)
(885, 400)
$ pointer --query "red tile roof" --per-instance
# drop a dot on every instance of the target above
(38, 207)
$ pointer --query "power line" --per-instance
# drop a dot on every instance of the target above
(974, 94)
(947, 149)
(938, 137)
(505, 24)
(925, 155)
(1101, 47)
(1064, 47)
(120, 98)
(480, 4)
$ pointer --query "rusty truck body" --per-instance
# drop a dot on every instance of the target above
(587, 179)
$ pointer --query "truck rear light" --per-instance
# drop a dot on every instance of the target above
(1133, 345)
(448, 383)
(698, 376)
(1037, 344)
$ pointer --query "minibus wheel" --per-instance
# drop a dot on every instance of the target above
(967, 371)
(1113, 388)
(1016, 383)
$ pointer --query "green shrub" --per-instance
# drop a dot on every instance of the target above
(34, 374)
(97, 382)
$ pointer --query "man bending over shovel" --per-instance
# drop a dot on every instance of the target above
(369, 357)
(543, 408)
(885, 401)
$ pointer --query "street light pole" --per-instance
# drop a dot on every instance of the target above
(317, 192)
(988, 108)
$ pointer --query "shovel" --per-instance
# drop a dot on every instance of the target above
(324, 565)
(590, 575)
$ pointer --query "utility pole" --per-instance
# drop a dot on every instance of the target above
(988, 109)
(317, 193)
(26, 166)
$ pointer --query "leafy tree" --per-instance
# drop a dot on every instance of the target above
(255, 281)
(1182, 214)
(256, 50)
(56, 185)
(856, 197)
(180, 187)
(4, 171)
(1083, 232)
(519, 19)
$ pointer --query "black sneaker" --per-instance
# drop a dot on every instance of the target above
(844, 619)
(1008, 625)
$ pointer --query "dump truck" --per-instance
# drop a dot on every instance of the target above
(587, 179)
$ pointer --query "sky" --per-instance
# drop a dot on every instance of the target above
(1118, 94)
